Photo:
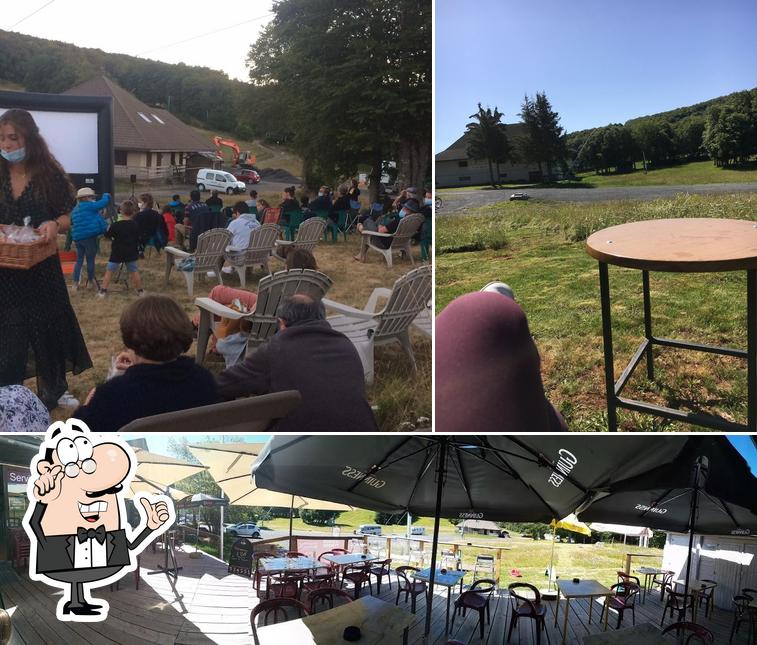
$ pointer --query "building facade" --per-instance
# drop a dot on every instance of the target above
(16, 453)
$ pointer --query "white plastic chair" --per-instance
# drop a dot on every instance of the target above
(400, 239)
(309, 234)
(368, 327)
(258, 251)
(208, 256)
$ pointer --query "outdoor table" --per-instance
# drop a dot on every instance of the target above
(379, 622)
(584, 589)
(642, 633)
(282, 565)
(702, 245)
(648, 573)
(347, 559)
(449, 580)
(695, 587)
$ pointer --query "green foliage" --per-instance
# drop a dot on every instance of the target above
(488, 139)
(544, 142)
(388, 519)
(730, 130)
(319, 518)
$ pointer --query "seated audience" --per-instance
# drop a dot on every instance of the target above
(408, 207)
(252, 203)
(201, 219)
(322, 202)
(22, 411)
(157, 378)
(242, 224)
(152, 227)
(289, 202)
(307, 355)
(341, 203)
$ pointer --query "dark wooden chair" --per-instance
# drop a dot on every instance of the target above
(476, 598)
(662, 580)
(523, 607)
(358, 575)
(679, 603)
(740, 614)
(409, 587)
(624, 598)
(696, 633)
(274, 608)
(383, 568)
(327, 595)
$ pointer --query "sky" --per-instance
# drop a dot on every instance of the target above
(598, 61)
(192, 32)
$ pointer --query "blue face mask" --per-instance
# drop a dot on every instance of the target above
(402, 213)
(14, 156)
(427, 201)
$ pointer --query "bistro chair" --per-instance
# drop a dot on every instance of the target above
(696, 633)
(741, 614)
(319, 581)
(358, 575)
(327, 595)
(409, 588)
(295, 554)
(382, 568)
(624, 598)
(624, 577)
(708, 596)
(283, 586)
(476, 598)
(258, 572)
(485, 564)
(522, 607)
(752, 593)
(662, 580)
(275, 608)
(677, 602)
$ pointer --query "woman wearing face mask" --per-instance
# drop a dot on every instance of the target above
(40, 334)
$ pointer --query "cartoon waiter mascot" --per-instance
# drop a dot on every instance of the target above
(76, 520)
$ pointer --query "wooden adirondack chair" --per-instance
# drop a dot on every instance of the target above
(308, 235)
(208, 256)
(368, 327)
(257, 252)
(400, 239)
(272, 289)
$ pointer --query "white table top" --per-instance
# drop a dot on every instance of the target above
(270, 565)
(380, 622)
(449, 579)
(649, 570)
(350, 558)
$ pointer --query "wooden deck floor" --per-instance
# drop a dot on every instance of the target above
(215, 608)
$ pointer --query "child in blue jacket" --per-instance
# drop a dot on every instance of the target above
(86, 226)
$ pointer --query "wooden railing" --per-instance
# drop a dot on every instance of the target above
(630, 556)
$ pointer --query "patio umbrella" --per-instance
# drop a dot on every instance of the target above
(568, 523)
(526, 478)
(161, 471)
(640, 532)
(707, 489)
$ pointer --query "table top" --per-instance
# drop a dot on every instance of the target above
(643, 632)
(449, 579)
(696, 585)
(379, 622)
(682, 245)
(648, 571)
(350, 558)
(288, 564)
(582, 589)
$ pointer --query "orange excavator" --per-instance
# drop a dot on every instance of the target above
(238, 158)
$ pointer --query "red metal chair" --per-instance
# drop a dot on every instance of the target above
(275, 607)
(697, 634)
(282, 586)
(624, 598)
(677, 602)
(409, 588)
(476, 598)
(327, 595)
(319, 581)
(383, 568)
(523, 607)
(358, 575)
(624, 577)
(21, 548)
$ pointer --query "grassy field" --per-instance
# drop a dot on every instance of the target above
(400, 394)
(538, 249)
(698, 172)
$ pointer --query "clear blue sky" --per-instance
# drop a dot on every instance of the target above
(599, 62)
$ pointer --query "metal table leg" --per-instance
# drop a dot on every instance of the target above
(648, 323)
(751, 291)
(604, 291)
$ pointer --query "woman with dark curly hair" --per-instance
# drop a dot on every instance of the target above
(39, 333)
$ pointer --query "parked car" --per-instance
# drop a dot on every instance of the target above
(519, 197)
(244, 529)
(368, 529)
(247, 175)
(417, 530)
(220, 180)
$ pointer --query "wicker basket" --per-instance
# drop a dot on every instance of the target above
(24, 256)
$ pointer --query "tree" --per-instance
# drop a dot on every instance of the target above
(355, 81)
(544, 142)
(393, 518)
(319, 518)
(488, 139)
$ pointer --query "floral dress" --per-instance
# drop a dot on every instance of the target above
(39, 332)
(22, 411)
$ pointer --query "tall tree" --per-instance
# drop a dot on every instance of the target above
(544, 142)
(488, 139)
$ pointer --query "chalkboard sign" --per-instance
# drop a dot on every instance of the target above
(240, 558)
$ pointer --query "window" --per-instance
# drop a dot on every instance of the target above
(120, 157)
(463, 178)
(149, 159)
(159, 162)
(157, 118)
(144, 116)
(462, 164)
(173, 158)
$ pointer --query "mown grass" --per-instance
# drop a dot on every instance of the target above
(400, 395)
(696, 172)
(556, 283)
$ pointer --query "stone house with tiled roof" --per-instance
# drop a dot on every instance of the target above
(149, 142)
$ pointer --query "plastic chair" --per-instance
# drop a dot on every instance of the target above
(476, 598)
(409, 588)
(208, 256)
(624, 598)
(259, 249)
(399, 240)
(484, 563)
(383, 568)
(697, 633)
(707, 595)
(308, 235)
(271, 216)
(741, 614)
(677, 602)
(275, 607)
(293, 221)
(282, 586)
(522, 607)
(326, 595)
(662, 580)
(258, 574)
(358, 575)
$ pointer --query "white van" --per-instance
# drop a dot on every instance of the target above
(417, 530)
(368, 529)
(220, 180)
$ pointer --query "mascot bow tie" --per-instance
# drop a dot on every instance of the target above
(91, 534)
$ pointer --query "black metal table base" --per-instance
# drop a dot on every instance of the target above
(613, 388)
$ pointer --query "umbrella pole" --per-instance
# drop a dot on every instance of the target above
(291, 518)
(551, 560)
(440, 471)
(692, 521)
(222, 532)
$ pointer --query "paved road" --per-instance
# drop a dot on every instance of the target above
(462, 200)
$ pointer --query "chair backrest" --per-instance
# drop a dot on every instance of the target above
(272, 289)
(275, 607)
(408, 298)
(385, 566)
(261, 244)
(271, 215)
(697, 633)
(624, 577)
(740, 604)
(484, 586)
(359, 569)
(293, 218)
(326, 595)
(750, 592)
(326, 562)
(309, 233)
(627, 591)
(295, 554)
(339, 551)
(402, 579)
(211, 246)
(407, 227)
(679, 600)
(523, 600)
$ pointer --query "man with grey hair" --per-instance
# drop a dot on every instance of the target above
(307, 355)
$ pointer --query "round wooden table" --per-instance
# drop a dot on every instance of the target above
(685, 245)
